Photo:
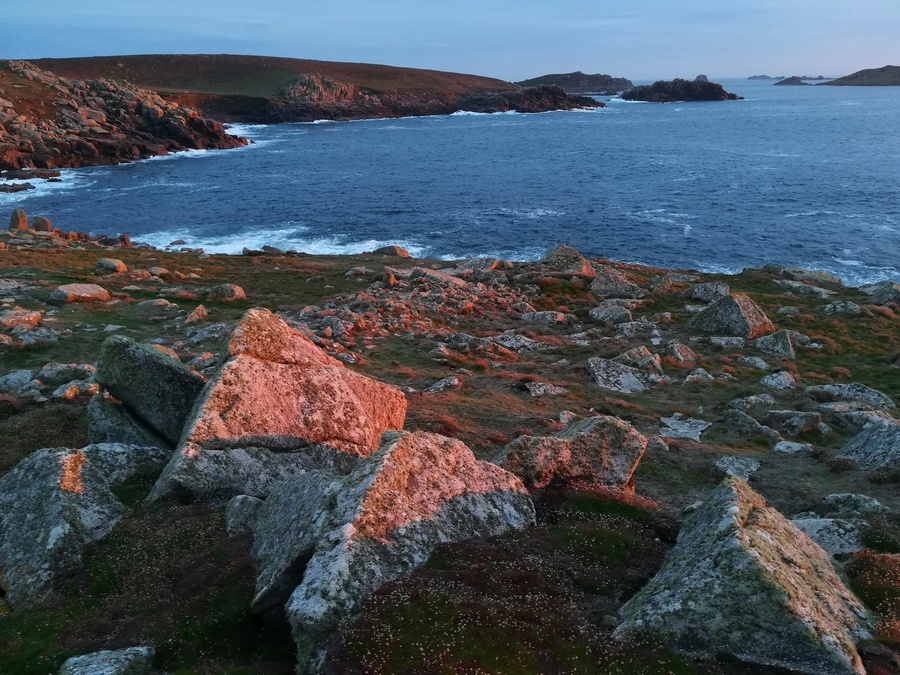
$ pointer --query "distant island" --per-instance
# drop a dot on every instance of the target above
(764, 77)
(887, 76)
(680, 90)
(581, 83)
(795, 81)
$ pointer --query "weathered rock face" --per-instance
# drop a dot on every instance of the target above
(734, 315)
(80, 293)
(743, 581)
(53, 504)
(272, 409)
(330, 542)
(877, 446)
(131, 661)
(854, 391)
(621, 378)
(708, 292)
(603, 451)
(610, 283)
(94, 122)
(158, 388)
(835, 536)
(885, 293)
(778, 344)
(566, 261)
(110, 422)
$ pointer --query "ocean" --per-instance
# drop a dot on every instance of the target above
(805, 176)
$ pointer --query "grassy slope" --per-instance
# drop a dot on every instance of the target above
(258, 76)
(887, 76)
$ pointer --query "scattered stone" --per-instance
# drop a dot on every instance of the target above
(159, 272)
(41, 224)
(426, 275)
(640, 357)
(679, 426)
(794, 422)
(640, 328)
(752, 402)
(17, 316)
(733, 315)
(602, 451)
(754, 361)
(241, 513)
(53, 504)
(341, 539)
(741, 425)
(837, 537)
(854, 391)
(110, 422)
(538, 389)
(884, 293)
(80, 293)
(75, 389)
(738, 467)
(566, 417)
(23, 385)
(699, 375)
(778, 344)
(395, 251)
(612, 316)
(708, 293)
(727, 342)
(799, 288)
(451, 382)
(226, 293)
(681, 353)
(788, 311)
(621, 378)
(111, 266)
(610, 283)
(849, 505)
(789, 448)
(544, 318)
(566, 261)
(877, 446)
(199, 314)
(18, 221)
(809, 276)
(131, 661)
(743, 581)
(54, 374)
(477, 265)
(783, 379)
(843, 307)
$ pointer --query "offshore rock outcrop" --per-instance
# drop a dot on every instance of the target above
(680, 90)
(52, 122)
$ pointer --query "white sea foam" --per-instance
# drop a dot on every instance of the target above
(245, 130)
(70, 181)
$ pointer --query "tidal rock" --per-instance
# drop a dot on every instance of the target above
(395, 251)
(52, 505)
(109, 422)
(679, 426)
(778, 344)
(18, 221)
(157, 387)
(877, 446)
(603, 451)
(854, 391)
(743, 581)
(610, 283)
(566, 261)
(131, 661)
(780, 380)
(621, 378)
(738, 467)
(278, 405)
(835, 536)
(41, 224)
(679, 90)
(111, 266)
(708, 293)
(733, 315)
(241, 514)
(80, 293)
(330, 542)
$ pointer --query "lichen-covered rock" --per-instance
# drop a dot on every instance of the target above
(885, 292)
(55, 374)
(743, 581)
(131, 661)
(621, 378)
(610, 283)
(157, 387)
(241, 513)
(18, 221)
(783, 379)
(877, 446)
(330, 542)
(739, 467)
(641, 357)
(271, 410)
(80, 293)
(778, 344)
(679, 426)
(795, 422)
(53, 504)
(566, 261)
(752, 402)
(734, 315)
(708, 292)
(681, 353)
(854, 391)
(110, 422)
(835, 536)
(612, 316)
(741, 425)
(395, 251)
(226, 293)
(17, 316)
(602, 451)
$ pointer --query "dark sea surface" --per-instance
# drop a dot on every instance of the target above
(806, 176)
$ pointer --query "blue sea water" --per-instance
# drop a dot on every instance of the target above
(806, 176)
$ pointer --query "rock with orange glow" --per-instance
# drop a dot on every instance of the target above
(278, 406)
(53, 504)
(733, 315)
(325, 543)
(601, 450)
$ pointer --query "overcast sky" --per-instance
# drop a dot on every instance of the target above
(509, 39)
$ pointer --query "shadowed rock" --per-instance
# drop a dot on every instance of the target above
(610, 283)
(734, 315)
(854, 391)
(566, 261)
(110, 422)
(743, 581)
(131, 661)
(330, 542)
(877, 446)
(603, 451)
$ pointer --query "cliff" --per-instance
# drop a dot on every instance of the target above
(581, 83)
(888, 76)
(680, 90)
(50, 122)
(259, 89)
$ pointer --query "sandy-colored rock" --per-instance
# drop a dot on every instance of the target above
(17, 316)
(603, 451)
(111, 266)
(80, 293)
(378, 524)
(743, 581)
(734, 315)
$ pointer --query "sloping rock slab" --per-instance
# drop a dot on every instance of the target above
(53, 504)
(854, 391)
(110, 422)
(341, 539)
(877, 446)
(277, 393)
(734, 315)
(598, 450)
(743, 581)
(157, 387)
(621, 378)
(131, 661)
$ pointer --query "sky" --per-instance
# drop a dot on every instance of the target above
(508, 39)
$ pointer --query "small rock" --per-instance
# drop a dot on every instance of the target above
(681, 353)
(780, 380)
(738, 467)
(621, 378)
(451, 382)
(610, 283)
(199, 314)
(789, 448)
(843, 307)
(226, 293)
(111, 266)
(754, 361)
(538, 389)
(708, 293)
(395, 251)
(80, 293)
(837, 537)
(679, 426)
(610, 315)
(778, 344)
(734, 315)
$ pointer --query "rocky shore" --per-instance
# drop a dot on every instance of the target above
(278, 462)
(680, 90)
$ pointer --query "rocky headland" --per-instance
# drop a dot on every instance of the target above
(680, 90)
(278, 462)
(581, 83)
(886, 76)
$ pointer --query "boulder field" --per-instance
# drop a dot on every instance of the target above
(288, 463)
